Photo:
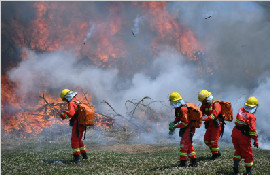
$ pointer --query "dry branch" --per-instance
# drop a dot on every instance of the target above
(117, 114)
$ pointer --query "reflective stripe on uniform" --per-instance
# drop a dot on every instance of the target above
(181, 146)
(209, 109)
(249, 164)
(212, 142)
(240, 122)
(66, 116)
(192, 153)
(182, 154)
(184, 123)
(215, 149)
(75, 150)
(253, 133)
(238, 157)
(82, 148)
(212, 116)
(205, 141)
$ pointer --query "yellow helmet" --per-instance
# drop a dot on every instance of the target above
(175, 96)
(203, 95)
(63, 93)
(252, 102)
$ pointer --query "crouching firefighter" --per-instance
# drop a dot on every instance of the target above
(77, 130)
(186, 130)
(242, 133)
(211, 112)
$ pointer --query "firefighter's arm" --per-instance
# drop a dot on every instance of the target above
(215, 113)
(252, 130)
(202, 109)
(70, 112)
(171, 125)
(203, 113)
(176, 120)
(184, 119)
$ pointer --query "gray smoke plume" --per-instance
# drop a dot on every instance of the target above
(136, 27)
(90, 32)
(236, 40)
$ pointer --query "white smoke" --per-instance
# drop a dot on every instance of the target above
(90, 32)
(136, 26)
(61, 69)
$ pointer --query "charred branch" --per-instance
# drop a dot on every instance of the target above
(137, 104)
(123, 117)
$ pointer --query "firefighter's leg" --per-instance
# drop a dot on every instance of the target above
(192, 156)
(81, 144)
(75, 144)
(184, 148)
(246, 151)
(214, 142)
(237, 153)
(207, 138)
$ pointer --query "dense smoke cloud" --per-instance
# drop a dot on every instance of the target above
(62, 69)
(236, 38)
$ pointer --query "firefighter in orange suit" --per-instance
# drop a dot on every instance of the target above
(77, 130)
(186, 130)
(211, 111)
(242, 133)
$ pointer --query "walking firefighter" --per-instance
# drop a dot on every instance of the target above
(211, 116)
(242, 133)
(77, 130)
(187, 130)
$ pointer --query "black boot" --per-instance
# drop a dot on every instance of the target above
(76, 158)
(182, 163)
(214, 156)
(248, 170)
(235, 166)
(193, 163)
(219, 154)
(84, 156)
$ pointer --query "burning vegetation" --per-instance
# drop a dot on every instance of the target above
(98, 38)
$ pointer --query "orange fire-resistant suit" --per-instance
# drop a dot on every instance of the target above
(77, 130)
(242, 140)
(186, 147)
(212, 133)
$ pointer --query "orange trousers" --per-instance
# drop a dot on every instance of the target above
(76, 142)
(242, 146)
(211, 138)
(186, 147)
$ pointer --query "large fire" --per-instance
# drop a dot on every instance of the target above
(51, 30)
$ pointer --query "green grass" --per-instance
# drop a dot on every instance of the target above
(39, 158)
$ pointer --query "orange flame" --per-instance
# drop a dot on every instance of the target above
(49, 32)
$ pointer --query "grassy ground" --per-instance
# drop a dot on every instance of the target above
(55, 158)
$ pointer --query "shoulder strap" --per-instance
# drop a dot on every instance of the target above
(76, 102)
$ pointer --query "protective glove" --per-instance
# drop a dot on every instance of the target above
(61, 116)
(171, 125)
(206, 125)
(171, 132)
(256, 144)
(204, 117)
